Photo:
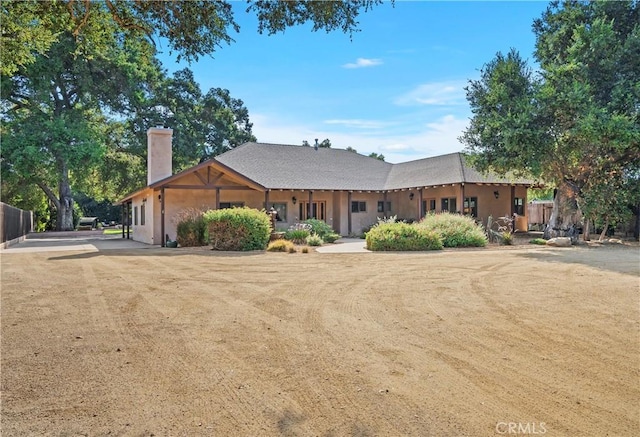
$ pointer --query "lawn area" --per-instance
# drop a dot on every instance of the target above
(113, 231)
(193, 342)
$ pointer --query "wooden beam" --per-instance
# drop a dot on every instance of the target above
(349, 213)
(162, 217)
(202, 179)
(209, 187)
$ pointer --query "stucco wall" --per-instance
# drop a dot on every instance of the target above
(144, 233)
(337, 205)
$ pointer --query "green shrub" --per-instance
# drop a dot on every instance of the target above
(305, 250)
(540, 241)
(320, 228)
(402, 236)
(455, 230)
(191, 232)
(280, 246)
(237, 229)
(331, 238)
(298, 236)
(507, 238)
(314, 240)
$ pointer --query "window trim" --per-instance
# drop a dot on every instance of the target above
(358, 206)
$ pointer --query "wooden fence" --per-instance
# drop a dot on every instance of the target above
(14, 223)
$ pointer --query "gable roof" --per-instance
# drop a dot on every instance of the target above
(279, 166)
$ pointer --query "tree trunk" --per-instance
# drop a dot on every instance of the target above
(565, 215)
(65, 204)
(604, 230)
(586, 231)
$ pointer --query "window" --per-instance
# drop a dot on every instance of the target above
(224, 205)
(470, 206)
(518, 205)
(449, 204)
(142, 214)
(358, 206)
(281, 209)
(317, 210)
(135, 216)
(381, 206)
(428, 205)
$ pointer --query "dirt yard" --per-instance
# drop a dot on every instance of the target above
(188, 342)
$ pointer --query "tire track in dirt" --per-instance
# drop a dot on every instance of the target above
(511, 375)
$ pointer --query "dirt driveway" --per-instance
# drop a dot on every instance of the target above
(185, 342)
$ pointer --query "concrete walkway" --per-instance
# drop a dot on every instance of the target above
(96, 241)
(86, 241)
(345, 245)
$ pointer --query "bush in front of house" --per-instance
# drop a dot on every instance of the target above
(314, 240)
(402, 236)
(298, 236)
(281, 246)
(331, 238)
(455, 230)
(237, 229)
(320, 228)
(191, 232)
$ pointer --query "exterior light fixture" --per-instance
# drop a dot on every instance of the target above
(411, 196)
(497, 194)
(294, 200)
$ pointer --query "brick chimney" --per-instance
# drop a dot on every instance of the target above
(159, 154)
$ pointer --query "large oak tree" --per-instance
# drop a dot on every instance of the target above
(73, 72)
(575, 123)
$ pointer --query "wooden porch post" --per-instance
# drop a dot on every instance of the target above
(122, 217)
(462, 193)
(310, 206)
(266, 200)
(217, 198)
(349, 213)
(513, 199)
(420, 209)
(162, 216)
(384, 207)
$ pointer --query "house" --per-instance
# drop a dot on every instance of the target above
(346, 190)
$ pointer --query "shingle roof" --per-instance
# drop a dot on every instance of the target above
(279, 166)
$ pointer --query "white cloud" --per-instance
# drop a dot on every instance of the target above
(435, 93)
(363, 63)
(432, 138)
(358, 124)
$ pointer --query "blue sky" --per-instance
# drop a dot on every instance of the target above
(396, 88)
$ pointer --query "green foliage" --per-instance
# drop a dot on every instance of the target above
(455, 230)
(298, 236)
(402, 236)
(209, 123)
(238, 229)
(281, 246)
(375, 155)
(507, 238)
(319, 227)
(331, 238)
(314, 240)
(81, 85)
(191, 232)
(539, 241)
(575, 124)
